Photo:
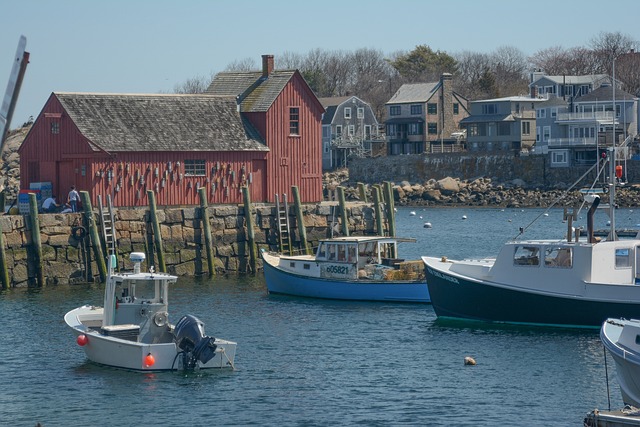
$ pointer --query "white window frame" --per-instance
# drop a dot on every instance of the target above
(347, 112)
(351, 130)
(559, 157)
(546, 133)
(360, 113)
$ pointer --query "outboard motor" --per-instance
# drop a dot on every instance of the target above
(195, 345)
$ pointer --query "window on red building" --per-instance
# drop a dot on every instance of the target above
(294, 120)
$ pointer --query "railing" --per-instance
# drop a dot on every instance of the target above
(591, 115)
(570, 142)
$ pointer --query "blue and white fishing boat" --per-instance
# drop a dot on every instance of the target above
(348, 268)
(132, 329)
(568, 282)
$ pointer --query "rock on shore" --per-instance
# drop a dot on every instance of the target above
(481, 192)
(10, 168)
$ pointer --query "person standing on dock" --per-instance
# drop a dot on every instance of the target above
(74, 196)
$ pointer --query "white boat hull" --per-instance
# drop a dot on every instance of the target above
(619, 338)
(126, 354)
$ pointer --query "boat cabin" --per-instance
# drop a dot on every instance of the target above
(614, 262)
(140, 303)
(359, 251)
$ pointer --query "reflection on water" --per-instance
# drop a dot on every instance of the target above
(303, 361)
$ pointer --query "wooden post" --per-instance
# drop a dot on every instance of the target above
(35, 238)
(157, 237)
(376, 201)
(206, 227)
(302, 230)
(93, 233)
(253, 255)
(363, 192)
(391, 215)
(2, 202)
(343, 212)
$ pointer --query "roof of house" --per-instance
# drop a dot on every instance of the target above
(488, 118)
(256, 92)
(138, 122)
(605, 93)
(414, 92)
(572, 80)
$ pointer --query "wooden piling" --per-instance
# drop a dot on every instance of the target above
(253, 255)
(35, 238)
(391, 214)
(363, 192)
(157, 236)
(206, 227)
(376, 202)
(302, 230)
(93, 233)
(343, 212)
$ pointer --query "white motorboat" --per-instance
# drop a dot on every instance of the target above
(132, 329)
(569, 282)
(622, 339)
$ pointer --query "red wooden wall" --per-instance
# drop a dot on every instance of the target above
(293, 159)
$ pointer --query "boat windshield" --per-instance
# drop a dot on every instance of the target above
(527, 255)
(558, 257)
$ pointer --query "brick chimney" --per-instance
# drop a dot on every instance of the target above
(267, 65)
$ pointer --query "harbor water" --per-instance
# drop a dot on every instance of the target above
(314, 362)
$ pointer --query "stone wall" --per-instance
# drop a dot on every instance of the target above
(67, 258)
(535, 171)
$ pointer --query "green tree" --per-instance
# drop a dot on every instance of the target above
(422, 64)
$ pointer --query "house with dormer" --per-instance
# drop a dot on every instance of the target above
(349, 128)
(425, 117)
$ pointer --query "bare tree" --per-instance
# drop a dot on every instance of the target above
(289, 61)
(510, 70)
(246, 64)
(608, 46)
(198, 84)
(472, 67)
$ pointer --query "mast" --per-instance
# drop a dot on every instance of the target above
(612, 192)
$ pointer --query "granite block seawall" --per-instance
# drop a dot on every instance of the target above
(67, 257)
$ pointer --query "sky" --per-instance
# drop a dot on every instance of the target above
(150, 46)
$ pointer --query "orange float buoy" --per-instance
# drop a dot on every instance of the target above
(149, 360)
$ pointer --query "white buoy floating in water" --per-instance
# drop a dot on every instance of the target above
(464, 217)
(427, 225)
(545, 214)
(412, 213)
(470, 361)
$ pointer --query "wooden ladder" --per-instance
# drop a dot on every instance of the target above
(282, 210)
(107, 224)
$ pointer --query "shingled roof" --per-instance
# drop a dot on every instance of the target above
(256, 92)
(414, 92)
(132, 122)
